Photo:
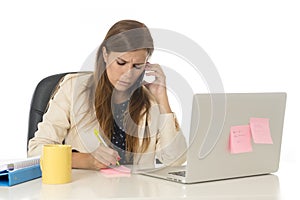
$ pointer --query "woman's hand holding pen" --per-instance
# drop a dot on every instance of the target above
(106, 155)
(158, 86)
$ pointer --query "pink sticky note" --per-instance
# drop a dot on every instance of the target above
(240, 139)
(116, 172)
(122, 169)
(260, 130)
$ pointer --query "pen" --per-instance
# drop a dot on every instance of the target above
(96, 132)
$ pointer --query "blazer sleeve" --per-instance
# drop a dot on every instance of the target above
(56, 121)
(171, 144)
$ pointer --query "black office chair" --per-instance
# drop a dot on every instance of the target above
(39, 101)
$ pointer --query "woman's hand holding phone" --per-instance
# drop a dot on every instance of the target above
(158, 86)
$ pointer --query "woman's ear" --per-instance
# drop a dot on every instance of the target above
(104, 53)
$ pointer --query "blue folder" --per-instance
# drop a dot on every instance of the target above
(10, 178)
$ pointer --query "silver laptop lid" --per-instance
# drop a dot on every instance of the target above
(213, 116)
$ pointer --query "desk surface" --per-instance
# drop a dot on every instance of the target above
(93, 185)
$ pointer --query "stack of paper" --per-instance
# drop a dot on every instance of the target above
(15, 172)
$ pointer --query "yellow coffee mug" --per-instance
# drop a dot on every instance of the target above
(56, 164)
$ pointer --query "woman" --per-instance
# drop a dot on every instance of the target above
(133, 117)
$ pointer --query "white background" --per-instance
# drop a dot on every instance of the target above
(255, 46)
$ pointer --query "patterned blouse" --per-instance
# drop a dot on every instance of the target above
(118, 138)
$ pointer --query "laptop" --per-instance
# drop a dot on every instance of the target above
(209, 155)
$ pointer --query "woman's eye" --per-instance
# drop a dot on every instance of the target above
(140, 66)
(121, 63)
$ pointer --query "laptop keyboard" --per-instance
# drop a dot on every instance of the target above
(179, 173)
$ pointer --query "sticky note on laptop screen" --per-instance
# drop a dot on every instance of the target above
(240, 139)
(260, 130)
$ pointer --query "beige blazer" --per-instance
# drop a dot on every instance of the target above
(65, 120)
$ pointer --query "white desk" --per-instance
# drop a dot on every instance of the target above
(93, 185)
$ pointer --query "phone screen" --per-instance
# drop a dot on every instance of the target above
(148, 79)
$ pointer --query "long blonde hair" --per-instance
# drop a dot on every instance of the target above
(124, 36)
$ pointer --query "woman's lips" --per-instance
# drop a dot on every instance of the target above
(124, 83)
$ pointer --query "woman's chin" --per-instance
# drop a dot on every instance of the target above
(121, 88)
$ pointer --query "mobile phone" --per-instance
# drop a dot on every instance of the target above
(148, 79)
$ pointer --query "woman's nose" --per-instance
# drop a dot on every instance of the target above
(128, 70)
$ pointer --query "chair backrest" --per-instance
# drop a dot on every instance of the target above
(39, 101)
